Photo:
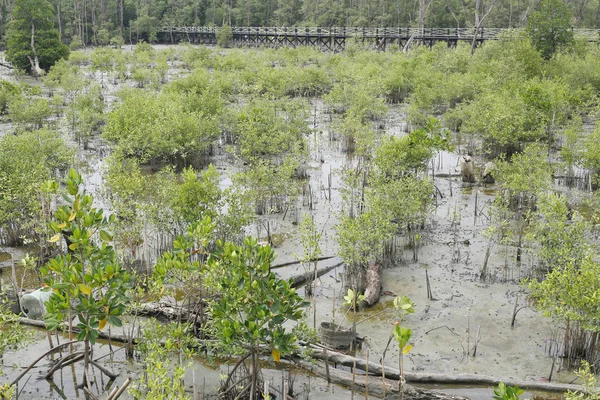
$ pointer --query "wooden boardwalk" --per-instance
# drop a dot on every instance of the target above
(334, 38)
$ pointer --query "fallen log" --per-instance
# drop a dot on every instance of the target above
(375, 369)
(115, 337)
(303, 279)
(102, 335)
(286, 264)
(375, 385)
(373, 289)
(166, 310)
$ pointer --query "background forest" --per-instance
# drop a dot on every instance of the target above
(100, 21)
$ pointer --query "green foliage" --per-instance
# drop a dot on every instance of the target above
(66, 76)
(29, 111)
(402, 336)
(357, 91)
(272, 131)
(550, 27)
(501, 117)
(590, 384)
(561, 238)
(75, 44)
(26, 161)
(86, 114)
(303, 332)
(79, 57)
(7, 391)
(351, 299)
(407, 155)
(591, 152)
(102, 60)
(160, 127)
(168, 202)
(571, 151)
(36, 15)
(117, 41)
(503, 392)
(12, 336)
(7, 91)
(271, 187)
(527, 172)
(254, 303)
(405, 201)
(310, 238)
(570, 292)
(357, 134)
(88, 278)
(183, 269)
(197, 196)
(362, 239)
(224, 36)
(403, 307)
(204, 92)
(270, 137)
(103, 37)
(166, 356)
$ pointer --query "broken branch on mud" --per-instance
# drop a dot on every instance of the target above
(375, 369)
(305, 278)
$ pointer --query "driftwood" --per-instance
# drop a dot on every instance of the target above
(303, 279)
(375, 385)
(166, 310)
(102, 335)
(373, 289)
(286, 264)
(456, 379)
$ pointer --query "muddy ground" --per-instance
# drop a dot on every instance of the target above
(464, 312)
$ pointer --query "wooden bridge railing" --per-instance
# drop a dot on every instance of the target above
(348, 32)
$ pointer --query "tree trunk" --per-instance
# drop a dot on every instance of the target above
(479, 23)
(373, 289)
(59, 20)
(86, 364)
(35, 62)
(422, 11)
(121, 5)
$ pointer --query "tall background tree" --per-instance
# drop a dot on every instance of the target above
(550, 27)
(33, 42)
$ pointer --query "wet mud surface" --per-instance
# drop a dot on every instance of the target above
(465, 328)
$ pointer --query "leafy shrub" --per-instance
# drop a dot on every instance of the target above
(224, 36)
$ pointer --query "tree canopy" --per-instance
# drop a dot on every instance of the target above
(32, 36)
(550, 27)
